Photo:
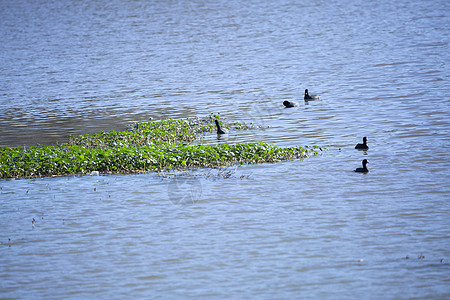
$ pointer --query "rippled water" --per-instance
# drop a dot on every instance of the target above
(289, 230)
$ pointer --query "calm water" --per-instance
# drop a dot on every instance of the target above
(273, 231)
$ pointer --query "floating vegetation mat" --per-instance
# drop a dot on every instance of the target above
(157, 146)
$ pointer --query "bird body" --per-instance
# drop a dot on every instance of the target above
(364, 168)
(309, 97)
(220, 130)
(362, 146)
(290, 103)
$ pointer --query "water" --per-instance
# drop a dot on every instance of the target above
(289, 230)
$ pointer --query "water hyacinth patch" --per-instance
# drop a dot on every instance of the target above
(147, 146)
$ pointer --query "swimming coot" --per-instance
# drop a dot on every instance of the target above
(364, 168)
(220, 130)
(362, 146)
(290, 103)
(310, 97)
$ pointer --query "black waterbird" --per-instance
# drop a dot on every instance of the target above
(290, 103)
(309, 96)
(362, 146)
(364, 168)
(220, 130)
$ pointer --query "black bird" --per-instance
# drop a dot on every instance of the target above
(364, 168)
(220, 130)
(290, 103)
(310, 97)
(362, 146)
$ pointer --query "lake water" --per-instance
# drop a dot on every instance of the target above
(301, 229)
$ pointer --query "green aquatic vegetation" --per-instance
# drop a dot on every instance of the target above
(161, 133)
(147, 146)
